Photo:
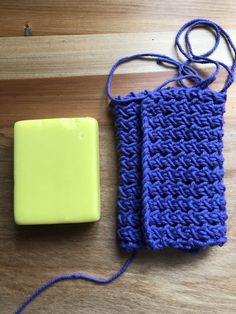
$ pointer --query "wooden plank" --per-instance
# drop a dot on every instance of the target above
(57, 17)
(82, 55)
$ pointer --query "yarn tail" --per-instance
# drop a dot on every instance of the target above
(75, 276)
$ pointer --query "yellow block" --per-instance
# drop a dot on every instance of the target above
(56, 171)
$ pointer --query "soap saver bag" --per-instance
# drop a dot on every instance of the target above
(171, 190)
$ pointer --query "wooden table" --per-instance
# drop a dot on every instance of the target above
(64, 75)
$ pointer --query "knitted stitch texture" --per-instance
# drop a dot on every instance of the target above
(171, 191)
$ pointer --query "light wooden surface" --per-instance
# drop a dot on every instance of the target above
(85, 55)
(65, 76)
(56, 17)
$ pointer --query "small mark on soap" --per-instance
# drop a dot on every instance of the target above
(81, 136)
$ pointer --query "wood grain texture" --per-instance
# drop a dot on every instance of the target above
(57, 17)
(70, 82)
(66, 56)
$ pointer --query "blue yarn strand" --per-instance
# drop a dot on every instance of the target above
(182, 67)
(191, 57)
(74, 276)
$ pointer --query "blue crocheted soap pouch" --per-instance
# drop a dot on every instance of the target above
(171, 190)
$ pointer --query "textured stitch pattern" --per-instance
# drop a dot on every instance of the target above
(127, 121)
(171, 191)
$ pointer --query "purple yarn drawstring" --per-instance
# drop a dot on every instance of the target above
(159, 58)
(191, 57)
(75, 276)
(183, 68)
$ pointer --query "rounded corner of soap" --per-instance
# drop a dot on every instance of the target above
(18, 124)
(93, 121)
(98, 217)
(18, 220)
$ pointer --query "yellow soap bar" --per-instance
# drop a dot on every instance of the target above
(56, 171)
